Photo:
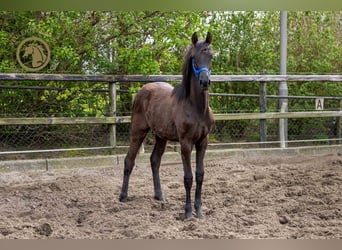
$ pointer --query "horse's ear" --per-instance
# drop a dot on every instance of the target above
(209, 38)
(194, 38)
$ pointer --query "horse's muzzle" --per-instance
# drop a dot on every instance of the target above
(204, 80)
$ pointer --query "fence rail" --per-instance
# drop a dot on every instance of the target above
(113, 119)
(127, 119)
(59, 120)
(168, 78)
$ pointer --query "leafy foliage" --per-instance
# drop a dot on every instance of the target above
(153, 42)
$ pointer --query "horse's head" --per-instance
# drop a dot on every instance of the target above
(201, 57)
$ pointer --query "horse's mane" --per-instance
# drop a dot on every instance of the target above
(182, 90)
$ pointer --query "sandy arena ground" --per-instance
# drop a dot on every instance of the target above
(265, 197)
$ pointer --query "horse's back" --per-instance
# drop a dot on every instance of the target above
(158, 87)
(154, 105)
(154, 92)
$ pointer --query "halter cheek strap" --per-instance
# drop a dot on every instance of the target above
(198, 71)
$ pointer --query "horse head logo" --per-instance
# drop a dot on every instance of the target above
(33, 54)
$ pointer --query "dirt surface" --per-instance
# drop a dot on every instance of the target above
(286, 197)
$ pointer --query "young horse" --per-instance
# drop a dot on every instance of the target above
(177, 114)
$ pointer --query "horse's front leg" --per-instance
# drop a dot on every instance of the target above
(186, 148)
(201, 147)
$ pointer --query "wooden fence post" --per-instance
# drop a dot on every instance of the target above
(263, 108)
(112, 109)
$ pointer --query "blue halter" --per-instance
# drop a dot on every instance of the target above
(198, 71)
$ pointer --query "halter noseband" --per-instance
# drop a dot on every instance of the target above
(198, 71)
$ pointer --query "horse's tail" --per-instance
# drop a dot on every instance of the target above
(141, 100)
(134, 103)
(137, 104)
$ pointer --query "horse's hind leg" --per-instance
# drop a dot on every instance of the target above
(155, 159)
(138, 134)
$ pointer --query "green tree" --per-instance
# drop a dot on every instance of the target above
(153, 42)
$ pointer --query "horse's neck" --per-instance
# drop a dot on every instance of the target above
(199, 98)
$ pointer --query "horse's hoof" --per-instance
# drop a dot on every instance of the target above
(184, 217)
(199, 216)
(188, 216)
(199, 213)
(159, 197)
(123, 198)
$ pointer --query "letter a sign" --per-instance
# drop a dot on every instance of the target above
(319, 103)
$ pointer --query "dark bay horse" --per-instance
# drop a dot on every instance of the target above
(176, 114)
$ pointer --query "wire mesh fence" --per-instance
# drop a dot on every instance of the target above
(91, 99)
